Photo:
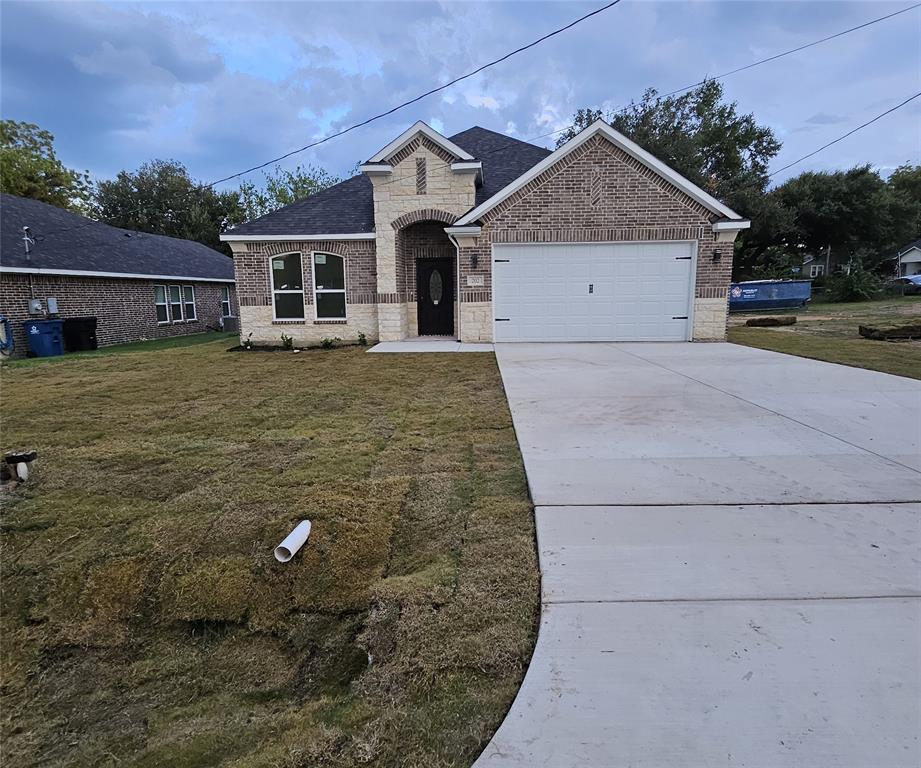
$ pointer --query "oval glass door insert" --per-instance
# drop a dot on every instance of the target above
(436, 286)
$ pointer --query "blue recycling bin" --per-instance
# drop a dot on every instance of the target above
(46, 337)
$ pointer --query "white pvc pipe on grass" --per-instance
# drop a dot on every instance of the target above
(293, 542)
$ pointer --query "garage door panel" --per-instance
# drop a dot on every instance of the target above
(597, 292)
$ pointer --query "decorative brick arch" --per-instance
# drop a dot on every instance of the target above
(425, 214)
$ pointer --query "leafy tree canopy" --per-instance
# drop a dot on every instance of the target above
(161, 198)
(30, 168)
(854, 216)
(282, 187)
(702, 137)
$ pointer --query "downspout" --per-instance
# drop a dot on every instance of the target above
(458, 283)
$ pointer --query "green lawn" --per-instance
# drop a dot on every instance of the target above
(829, 332)
(152, 345)
(145, 622)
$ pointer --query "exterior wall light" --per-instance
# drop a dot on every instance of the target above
(717, 254)
(474, 260)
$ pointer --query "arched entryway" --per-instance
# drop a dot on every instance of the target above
(426, 269)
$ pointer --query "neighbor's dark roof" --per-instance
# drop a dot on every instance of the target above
(913, 244)
(65, 240)
(348, 207)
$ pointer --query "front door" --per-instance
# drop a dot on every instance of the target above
(435, 296)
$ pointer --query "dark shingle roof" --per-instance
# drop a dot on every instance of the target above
(504, 158)
(348, 207)
(66, 240)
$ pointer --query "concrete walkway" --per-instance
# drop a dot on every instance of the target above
(730, 546)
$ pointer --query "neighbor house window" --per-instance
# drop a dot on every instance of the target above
(816, 270)
(287, 287)
(160, 304)
(188, 301)
(225, 301)
(329, 286)
(175, 303)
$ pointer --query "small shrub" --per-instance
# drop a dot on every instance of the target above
(287, 342)
(858, 284)
(329, 343)
(362, 340)
(248, 342)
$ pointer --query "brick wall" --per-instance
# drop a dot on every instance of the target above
(599, 193)
(124, 309)
(254, 288)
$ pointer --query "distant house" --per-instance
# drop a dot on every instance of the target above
(910, 259)
(57, 264)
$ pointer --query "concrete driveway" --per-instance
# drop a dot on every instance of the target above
(730, 544)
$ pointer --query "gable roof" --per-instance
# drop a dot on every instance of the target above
(347, 208)
(410, 133)
(619, 140)
(913, 244)
(67, 243)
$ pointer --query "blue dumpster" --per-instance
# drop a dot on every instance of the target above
(46, 337)
(769, 294)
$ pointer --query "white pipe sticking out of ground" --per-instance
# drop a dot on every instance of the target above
(293, 542)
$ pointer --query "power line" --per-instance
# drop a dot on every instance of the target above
(686, 88)
(456, 80)
(420, 97)
(844, 136)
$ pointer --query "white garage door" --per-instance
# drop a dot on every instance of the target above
(592, 292)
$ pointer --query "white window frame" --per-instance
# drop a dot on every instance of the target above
(164, 304)
(275, 316)
(173, 304)
(318, 291)
(185, 305)
(225, 300)
(816, 270)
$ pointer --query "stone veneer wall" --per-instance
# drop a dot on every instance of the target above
(254, 288)
(124, 309)
(598, 193)
(401, 200)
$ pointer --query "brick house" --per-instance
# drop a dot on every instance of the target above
(485, 238)
(137, 286)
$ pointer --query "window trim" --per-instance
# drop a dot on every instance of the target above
(316, 292)
(185, 304)
(816, 270)
(225, 290)
(275, 317)
(164, 304)
(172, 304)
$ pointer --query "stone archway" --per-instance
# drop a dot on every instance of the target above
(425, 253)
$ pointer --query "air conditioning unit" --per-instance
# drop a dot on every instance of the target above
(231, 324)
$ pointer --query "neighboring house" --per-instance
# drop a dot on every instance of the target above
(483, 237)
(827, 263)
(909, 259)
(136, 285)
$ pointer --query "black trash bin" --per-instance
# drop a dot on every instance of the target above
(79, 334)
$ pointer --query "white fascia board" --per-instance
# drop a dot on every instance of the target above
(229, 237)
(467, 166)
(409, 134)
(618, 139)
(469, 230)
(731, 226)
(125, 275)
(376, 169)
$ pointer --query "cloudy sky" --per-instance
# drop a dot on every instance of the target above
(222, 86)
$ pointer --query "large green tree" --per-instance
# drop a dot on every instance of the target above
(160, 197)
(702, 137)
(282, 187)
(851, 216)
(29, 167)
